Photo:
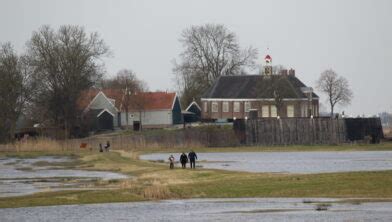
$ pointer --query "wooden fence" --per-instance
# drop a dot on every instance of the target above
(192, 137)
(251, 132)
(290, 131)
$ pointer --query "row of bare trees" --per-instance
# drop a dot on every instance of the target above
(46, 81)
(14, 89)
(63, 63)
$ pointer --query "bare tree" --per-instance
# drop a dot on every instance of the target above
(275, 87)
(138, 103)
(210, 51)
(64, 62)
(127, 81)
(335, 87)
(13, 90)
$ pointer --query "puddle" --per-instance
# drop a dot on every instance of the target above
(290, 162)
(25, 176)
(241, 209)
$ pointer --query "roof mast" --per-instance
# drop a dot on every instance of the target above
(268, 64)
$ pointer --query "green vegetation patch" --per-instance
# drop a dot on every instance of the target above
(69, 197)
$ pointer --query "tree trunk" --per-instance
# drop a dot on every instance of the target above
(127, 117)
(140, 118)
(332, 110)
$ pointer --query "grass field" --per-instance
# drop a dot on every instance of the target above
(154, 181)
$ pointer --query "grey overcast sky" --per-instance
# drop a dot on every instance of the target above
(352, 37)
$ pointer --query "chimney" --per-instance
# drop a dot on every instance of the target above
(283, 72)
(291, 72)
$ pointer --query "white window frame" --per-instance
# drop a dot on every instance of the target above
(236, 107)
(265, 111)
(214, 107)
(290, 111)
(274, 111)
(225, 107)
(247, 106)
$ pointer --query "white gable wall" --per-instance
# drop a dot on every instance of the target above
(102, 102)
(124, 119)
(150, 118)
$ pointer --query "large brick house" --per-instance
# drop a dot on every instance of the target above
(268, 96)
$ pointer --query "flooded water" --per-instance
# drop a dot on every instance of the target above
(27, 176)
(253, 209)
(290, 162)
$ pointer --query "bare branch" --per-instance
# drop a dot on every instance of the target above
(336, 88)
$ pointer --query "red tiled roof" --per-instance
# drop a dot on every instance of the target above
(154, 100)
(115, 94)
(147, 100)
(87, 96)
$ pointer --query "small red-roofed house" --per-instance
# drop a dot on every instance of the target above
(106, 109)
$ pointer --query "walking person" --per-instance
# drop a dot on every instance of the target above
(107, 146)
(100, 148)
(183, 160)
(192, 159)
(171, 160)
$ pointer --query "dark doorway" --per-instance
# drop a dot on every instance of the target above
(105, 121)
(136, 125)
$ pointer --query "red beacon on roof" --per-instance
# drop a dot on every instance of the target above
(268, 59)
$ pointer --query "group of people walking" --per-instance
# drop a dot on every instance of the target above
(191, 157)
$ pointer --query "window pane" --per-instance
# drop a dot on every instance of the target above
(225, 107)
(264, 111)
(214, 106)
(273, 111)
(236, 107)
(247, 106)
(290, 111)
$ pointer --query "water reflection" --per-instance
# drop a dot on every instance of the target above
(291, 162)
(27, 176)
(249, 209)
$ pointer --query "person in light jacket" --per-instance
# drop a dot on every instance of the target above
(171, 161)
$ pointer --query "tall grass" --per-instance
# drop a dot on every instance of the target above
(40, 145)
(387, 132)
(157, 191)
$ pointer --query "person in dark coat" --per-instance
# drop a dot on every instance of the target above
(183, 160)
(192, 159)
